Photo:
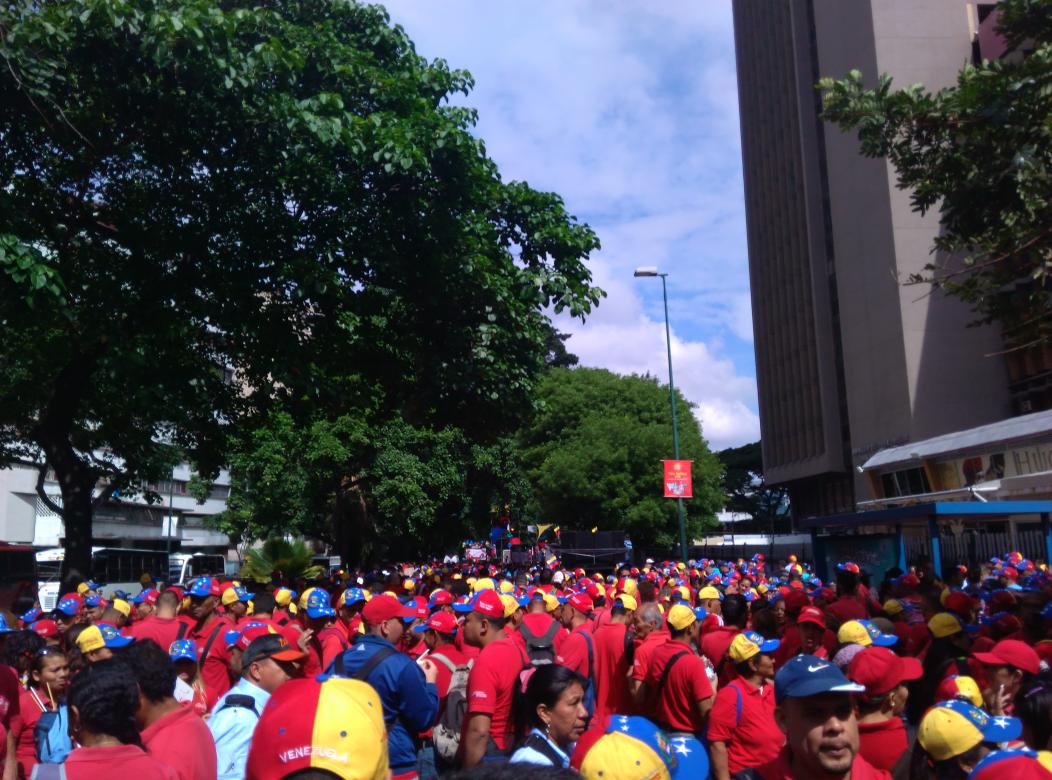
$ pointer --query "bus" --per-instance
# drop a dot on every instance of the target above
(184, 567)
(114, 568)
(18, 573)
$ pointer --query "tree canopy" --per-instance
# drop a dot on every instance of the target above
(593, 453)
(746, 489)
(981, 153)
(215, 210)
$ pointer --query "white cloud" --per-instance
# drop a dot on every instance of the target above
(629, 111)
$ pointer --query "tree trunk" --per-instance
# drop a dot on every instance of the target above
(77, 517)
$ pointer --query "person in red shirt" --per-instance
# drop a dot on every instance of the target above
(715, 643)
(742, 730)
(163, 627)
(808, 635)
(612, 662)
(207, 632)
(103, 699)
(850, 604)
(318, 615)
(650, 634)
(48, 680)
(678, 678)
(578, 651)
(145, 604)
(538, 622)
(882, 734)
(173, 734)
(235, 601)
(438, 634)
(815, 711)
(488, 728)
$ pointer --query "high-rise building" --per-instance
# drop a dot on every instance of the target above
(849, 359)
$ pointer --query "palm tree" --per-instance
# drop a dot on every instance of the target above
(292, 559)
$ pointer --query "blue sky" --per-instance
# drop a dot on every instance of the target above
(629, 111)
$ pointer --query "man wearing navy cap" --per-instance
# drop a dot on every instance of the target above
(207, 633)
(816, 712)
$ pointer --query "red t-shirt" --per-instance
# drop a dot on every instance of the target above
(163, 631)
(748, 728)
(333, 641)
(10, 695)
(644, 652)
(687, 683)
(214, 669)
(779, 769)
(882, 744)
(714, 646)
(574, 651)
(104, 763)
(790, 646)
(848, 608)
(491, 686)
(29, 714)
(181, 740)
(611, 671)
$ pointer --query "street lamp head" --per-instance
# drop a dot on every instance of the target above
(646, 270)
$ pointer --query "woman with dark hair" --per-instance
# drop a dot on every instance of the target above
(552, 716)
(1033, 706)
(102, 703)
(19, 650)
(45, 691)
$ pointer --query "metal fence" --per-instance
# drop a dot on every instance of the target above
(972, 546)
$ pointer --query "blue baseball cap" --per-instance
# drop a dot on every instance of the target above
(149, 596)
(319, 604)
(701, 613)
(68, 606)
(353, 596)
(31, 616)
(4, 628)
(183, 650)
(93, 600)
(112, 637)
(808, 675)
(202, 587)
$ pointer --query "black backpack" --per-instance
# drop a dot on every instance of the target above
(540, 649)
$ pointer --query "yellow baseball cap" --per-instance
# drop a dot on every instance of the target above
(708, 592)
(630, 747)
(944, 624)
(484, 583)
(121, 606)
(551, 603)
(680, 616)
(952, 728)
(83, 588)
(304, 596)
(748, 644)
(893, 607)
(507, 587)
(511, 604)
(629, 602)
(631, 587)
(282, 597)
(863, 632)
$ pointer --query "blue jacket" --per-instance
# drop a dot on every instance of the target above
(410, 702)
(232, 728)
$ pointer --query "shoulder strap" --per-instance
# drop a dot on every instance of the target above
(374, 661)
(540, 744)
(737, 703)
(240, 701)
(49, 772)
(550, 633)
(37, 700)
(668, 667)
(183, 628)
(444, 661)
(591, 656)
(210, 641)
(747, 774)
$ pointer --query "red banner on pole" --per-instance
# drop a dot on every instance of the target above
(677, 479)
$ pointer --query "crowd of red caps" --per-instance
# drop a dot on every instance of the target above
(669, 669)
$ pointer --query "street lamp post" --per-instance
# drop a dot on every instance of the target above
(647, 271)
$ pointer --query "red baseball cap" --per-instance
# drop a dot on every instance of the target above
(442, 622)
(44, 628)
(582, 602)
(488, 603)
(880, 670)
(812, 615)
(959, 602)
(1011, 652)
(797, 599)
(384, 607)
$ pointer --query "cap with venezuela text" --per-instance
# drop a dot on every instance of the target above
(606, 750)
(336, 726)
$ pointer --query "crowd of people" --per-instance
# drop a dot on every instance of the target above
(673, 669)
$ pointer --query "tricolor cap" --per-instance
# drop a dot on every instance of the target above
(605, 751)
(960, 686)
(283, 597)
(419, 606)
(441, 622)
(484, 583)
(4, 628)
(122, 606)
(849, 566)
(319, 604)
(335, 725)
(351, 596)
(865, 633)
(203, 587)
(242, 638)
(680, 616)
(628, 602)
(439, 598)
(944, 624)
(952, 728)
(1017, 764)
(146, 597)
(31, 616)
(235, 594)
(84, 587)
(748, 644)
(92, 600)
(487, 603)
(99, 636)
(803, 676)
(511, 604)
(183, 650)
(69, 604)
(582, 602)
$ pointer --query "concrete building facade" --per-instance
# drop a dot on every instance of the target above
(849, 360)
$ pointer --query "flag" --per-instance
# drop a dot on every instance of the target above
(552, 562)
(677, 479)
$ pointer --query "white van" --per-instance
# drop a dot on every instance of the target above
(183, 567)
(114, 568)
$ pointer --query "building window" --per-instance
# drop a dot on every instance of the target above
(908, 482)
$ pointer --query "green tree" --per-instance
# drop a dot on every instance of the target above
(593, 452)
(211, 209)
(292, 559)
(747, 491)
(981, 153)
